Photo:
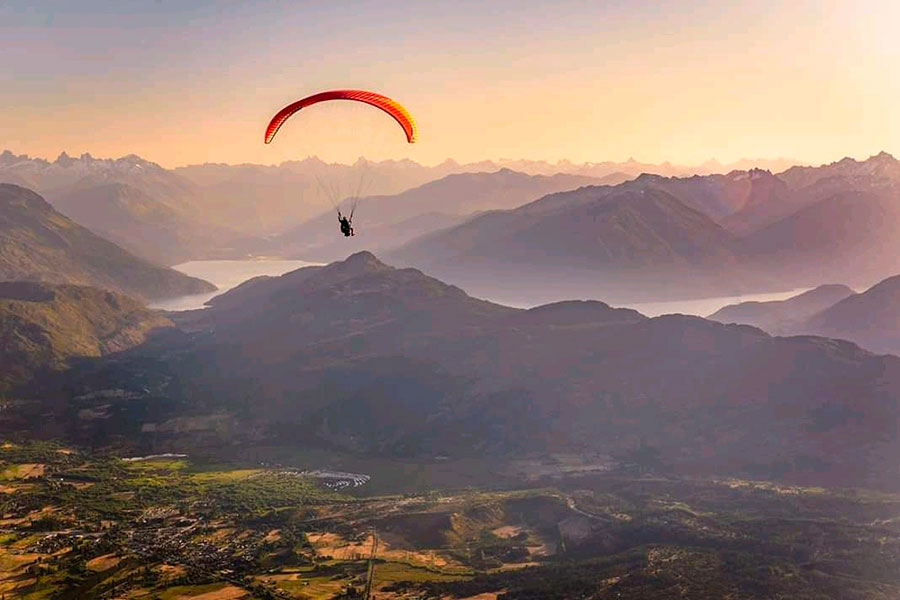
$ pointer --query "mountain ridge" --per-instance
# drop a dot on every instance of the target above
(765, 234)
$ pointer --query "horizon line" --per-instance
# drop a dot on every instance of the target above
(498, 161)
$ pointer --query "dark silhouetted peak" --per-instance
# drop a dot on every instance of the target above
(304, 280)
(363, 272)
(356, 265)
(363, 262)
(359, 294)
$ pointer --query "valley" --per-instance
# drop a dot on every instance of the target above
(84, 525)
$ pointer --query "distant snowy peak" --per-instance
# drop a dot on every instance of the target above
(67, 173)
(881, 167)
(84, 162)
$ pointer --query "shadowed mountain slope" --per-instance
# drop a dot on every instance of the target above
(42, 326)
(37, 243)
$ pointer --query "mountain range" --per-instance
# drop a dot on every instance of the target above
(369, 358)
(702, 235)
(260, 200)
(646, 239)
(50, 177)
(149, 210)
(37, 243)
(299, 190)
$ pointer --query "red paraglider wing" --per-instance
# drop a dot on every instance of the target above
(389, 106)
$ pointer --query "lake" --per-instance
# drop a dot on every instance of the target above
(703, 307)
(226, 274)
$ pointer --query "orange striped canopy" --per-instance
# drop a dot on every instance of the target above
(391, 107)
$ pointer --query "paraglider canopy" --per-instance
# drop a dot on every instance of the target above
(327, 184)
(391, 107)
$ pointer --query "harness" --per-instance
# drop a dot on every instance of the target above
(347, 222)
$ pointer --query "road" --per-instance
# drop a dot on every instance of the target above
(570, 502)
(370, 575)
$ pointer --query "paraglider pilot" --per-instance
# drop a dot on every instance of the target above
(346, 228)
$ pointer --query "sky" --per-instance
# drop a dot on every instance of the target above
(181, 82)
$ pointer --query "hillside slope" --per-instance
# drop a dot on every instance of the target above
(871, 319)
(39, 244)
(42, 326)
(780, 317)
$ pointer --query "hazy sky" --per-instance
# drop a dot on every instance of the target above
(183, 82)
